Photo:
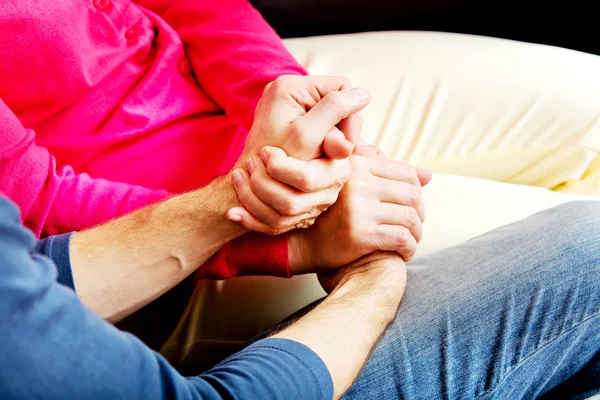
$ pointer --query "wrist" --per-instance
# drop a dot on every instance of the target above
(300, 252)
(199, 217)
(379, 281)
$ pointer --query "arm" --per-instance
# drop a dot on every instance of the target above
(53, 347)
(55, 199)
(233, 51)
(345, 327)
(122, 265)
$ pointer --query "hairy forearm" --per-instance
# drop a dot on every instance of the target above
(345, 327)
(120, 266)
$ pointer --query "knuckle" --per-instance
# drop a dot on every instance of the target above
(329, 200)
(307, 223)
(280, 85)
(358, 163)
(402, 239)
(272, 232)
(289, 207)
(411, 217)
(333, 100)
(275, 221)
(315, 212)
(414, 196)
(306, 181)
(297, 129)
(412, 172)
(255, 182)
(371, 149)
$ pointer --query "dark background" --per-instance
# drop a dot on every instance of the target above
(567, 24)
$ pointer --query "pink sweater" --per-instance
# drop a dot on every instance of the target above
(110, 105)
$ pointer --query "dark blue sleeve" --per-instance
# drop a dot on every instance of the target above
(57, 249)
(53, 347)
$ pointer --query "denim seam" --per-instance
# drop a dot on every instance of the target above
(491, 391)
(301, 362)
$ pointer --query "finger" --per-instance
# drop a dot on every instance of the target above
(335, 106)
(253, 204)
(336, 146)
(302, 91)
(306, 134)
(396, 170)
(310, 90)
(307, 176)
(369, 150)
(401, 193)
(351, 127)
(398, 238)
(424, 175)
(393, 214)
(242, 217)
(286, 200)
(261, 211)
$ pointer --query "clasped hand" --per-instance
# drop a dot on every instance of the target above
(303, 157)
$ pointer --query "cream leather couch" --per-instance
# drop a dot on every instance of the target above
(499, 122)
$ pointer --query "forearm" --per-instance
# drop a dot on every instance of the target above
(60, 336)
(345, 327)
(120, 266)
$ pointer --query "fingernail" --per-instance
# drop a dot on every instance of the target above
(361, 93)
(250, 165)
(237, 179)
(264, 156)
(234, 218)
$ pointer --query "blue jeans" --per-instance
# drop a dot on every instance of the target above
(512, 314)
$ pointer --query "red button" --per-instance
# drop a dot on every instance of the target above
(132, 32)
(101, 4)
(184, 67)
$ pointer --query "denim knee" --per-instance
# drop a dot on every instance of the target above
(578, 215)
(576, 227)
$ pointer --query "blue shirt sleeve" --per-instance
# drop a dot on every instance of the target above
(56, 248)
(53, 347)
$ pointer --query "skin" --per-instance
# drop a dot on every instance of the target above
(320, 127)
(363, 302)
(124, 264)
(379, 208)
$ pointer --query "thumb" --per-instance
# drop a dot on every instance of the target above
(336, 146)
(424, 175)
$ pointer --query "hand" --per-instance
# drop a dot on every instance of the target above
(301, 115)
(374, 271)
(287, 193)
(358, 310)
(379, 208)
(307, 116)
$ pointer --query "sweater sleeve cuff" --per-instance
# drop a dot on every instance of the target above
(294, 365)
(57, 249)
(258, 254)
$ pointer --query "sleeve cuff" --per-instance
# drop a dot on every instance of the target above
(57, 249)
(258, 254)
(293, 366)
